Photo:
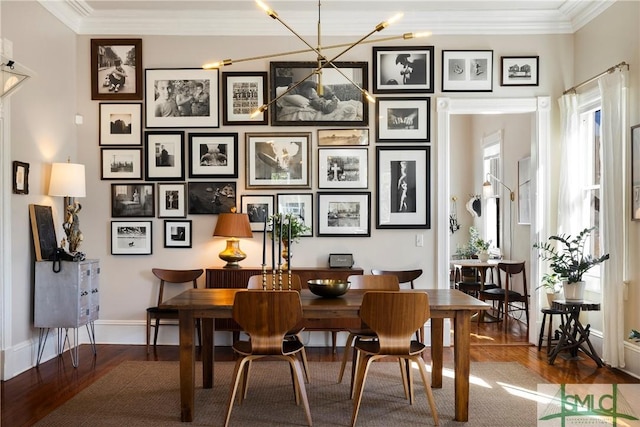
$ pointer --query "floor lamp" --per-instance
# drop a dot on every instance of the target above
(487, 191)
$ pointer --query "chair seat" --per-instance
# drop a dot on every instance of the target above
(500, 292)
(373, 347)
(161, 310)
(288, 347)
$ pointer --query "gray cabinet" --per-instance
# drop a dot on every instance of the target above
(67, 299)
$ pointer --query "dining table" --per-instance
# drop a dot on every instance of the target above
(209, 304)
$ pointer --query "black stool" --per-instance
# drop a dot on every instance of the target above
(551, 312)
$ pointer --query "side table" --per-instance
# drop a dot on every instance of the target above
(573, 335)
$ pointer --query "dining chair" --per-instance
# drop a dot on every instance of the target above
(174, 277)
(405, 276)
(512, 294)
(255, 282)
(386, 282)
(267, 316)
(394, 317)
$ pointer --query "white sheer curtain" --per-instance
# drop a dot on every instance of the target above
(615, 216)
(572, 159)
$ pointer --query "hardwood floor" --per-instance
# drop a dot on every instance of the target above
(31, 395)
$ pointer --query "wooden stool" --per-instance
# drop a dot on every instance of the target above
(551, 312)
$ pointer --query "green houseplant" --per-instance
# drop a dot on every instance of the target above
(291, 228)
(475, 247)
(569, 260)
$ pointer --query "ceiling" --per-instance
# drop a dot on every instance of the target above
(338, 17)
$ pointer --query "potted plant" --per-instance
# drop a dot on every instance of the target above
(551, 283)
(481, 246)
(291, 228)
(570, 261)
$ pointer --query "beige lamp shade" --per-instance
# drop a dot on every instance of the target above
(12, 75)
(232, 225)
(67, 180)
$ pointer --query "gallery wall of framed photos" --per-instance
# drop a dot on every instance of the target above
(164, 136)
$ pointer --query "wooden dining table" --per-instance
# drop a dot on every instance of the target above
(209, 304)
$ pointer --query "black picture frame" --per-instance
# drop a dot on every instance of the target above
(519, 70)
(300, 205)
(213, 155)
(192, 98)
(403, 69)
(178, 234)
(344, 214)
(402, 206)
(172, 200)
(343, 168)
(242, 94)
(132, 200)
(211, 197)
(292, 108)
(164, 155)
(467, 70)
(131, 237)
(403, 119)
(104, 56)
(20, 177)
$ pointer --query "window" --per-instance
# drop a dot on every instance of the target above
(491, 153)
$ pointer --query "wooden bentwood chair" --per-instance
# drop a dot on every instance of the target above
(255, 283)
(394, 317)
(385, 282)
(267, 316)
(177, 277)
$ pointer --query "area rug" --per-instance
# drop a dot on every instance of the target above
(147, 394)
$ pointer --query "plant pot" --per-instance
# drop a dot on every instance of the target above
(573, 292)
(551, 296)
(483, 256)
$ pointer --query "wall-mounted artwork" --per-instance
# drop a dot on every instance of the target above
(467, 70)
(403, 69)
(116, 69)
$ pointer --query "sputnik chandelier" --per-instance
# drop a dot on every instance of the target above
(322, 60)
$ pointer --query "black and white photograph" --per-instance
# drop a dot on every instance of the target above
(342, 167)
(467, 70)
(20, 178)
(211, 197)
(337, 137)
(132, 200)
(131, 238)
(344, 214)
(181, 97)
(298, 205)
(177, 233)
(172, 200)
(403, 178)
(326, 98)
(400, 119)
(278, 160)
(121, 163)
(402, 69)
(164, 155)
(258, 208)
(120, 124)
(519, 70)
(116, 69)
(213, 155)
(242, 94)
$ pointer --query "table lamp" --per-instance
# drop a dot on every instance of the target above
(68, 181)
(232, 225)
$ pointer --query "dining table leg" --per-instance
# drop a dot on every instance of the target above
(187, 365)
(437, 348)
(461, 360)
(207, 352)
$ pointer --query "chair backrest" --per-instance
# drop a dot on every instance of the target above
(255, 282)
(385, 282)
(175, 276)
(267, 316)
(513, 276)
(395, 317)
(404, 276)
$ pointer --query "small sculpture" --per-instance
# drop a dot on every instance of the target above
(71, 227)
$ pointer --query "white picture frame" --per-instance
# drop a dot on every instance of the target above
(343, 168)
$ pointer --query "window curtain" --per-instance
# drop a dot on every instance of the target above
(615, 217)
(572, 157)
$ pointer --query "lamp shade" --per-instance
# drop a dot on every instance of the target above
(12, 75)
(233, 225)
(67, 180)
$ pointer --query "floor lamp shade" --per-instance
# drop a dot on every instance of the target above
(232, 225)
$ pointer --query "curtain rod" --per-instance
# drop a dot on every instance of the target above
(586, 82)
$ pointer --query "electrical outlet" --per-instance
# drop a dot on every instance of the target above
(419, 240)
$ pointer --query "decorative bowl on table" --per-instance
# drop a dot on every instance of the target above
(328, 288)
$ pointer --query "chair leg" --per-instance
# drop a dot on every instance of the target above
(404, 372)
(364, 362)
(334, 338)
(148, 330)
(295, 365)
(427, 387)
(155, 333)
(237, 372)
(305, 364)
(345, 355)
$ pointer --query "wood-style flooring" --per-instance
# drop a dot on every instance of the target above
(32, 395)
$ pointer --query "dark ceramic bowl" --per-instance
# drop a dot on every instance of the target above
(328, 288)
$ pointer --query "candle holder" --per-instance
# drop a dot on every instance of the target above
(264, 277)
(273, 277)
(279, 277)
